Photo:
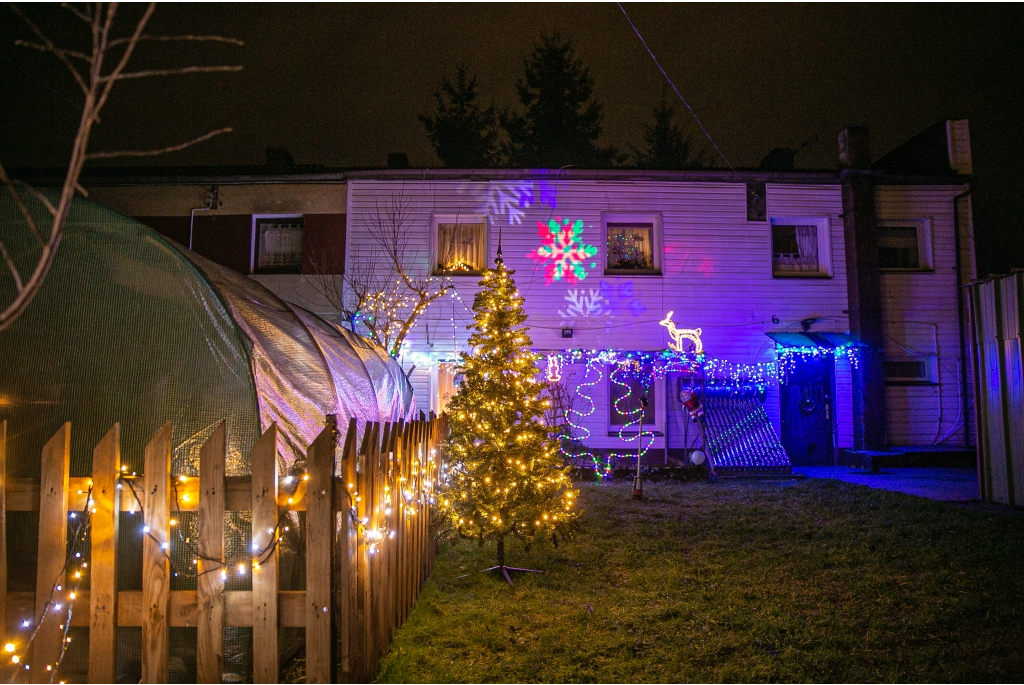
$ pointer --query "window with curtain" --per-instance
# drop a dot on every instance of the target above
(630, 248)
(898, 247)
(461, 248)
(445, 386)
(279, 245)
(795, 249)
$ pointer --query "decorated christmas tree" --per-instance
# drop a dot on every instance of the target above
(505, 476)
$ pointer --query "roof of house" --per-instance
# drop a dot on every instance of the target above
(312, 174)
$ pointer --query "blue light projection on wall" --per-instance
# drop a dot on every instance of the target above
(563, 251)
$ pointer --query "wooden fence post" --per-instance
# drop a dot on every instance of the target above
(210, 585)
(53, 545)
(3, 530)
(410, 519)
(348, 546)
(156, 571)
(106, 497)
(377, 572)
(394, 549)
(320, 528)
(265, 656)
(363, 589)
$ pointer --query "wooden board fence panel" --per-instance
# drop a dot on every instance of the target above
(53, 540)
(106, 469)
(363, 571)
(265, 656)
(156, 571)
(320, 524)
(348, 550)
(210, 584)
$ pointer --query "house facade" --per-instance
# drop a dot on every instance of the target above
(851, 278)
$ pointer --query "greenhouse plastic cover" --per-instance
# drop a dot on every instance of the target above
(131, 327)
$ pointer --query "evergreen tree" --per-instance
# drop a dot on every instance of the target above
(561, 122)
(505, 475)
(463, 135)
(665, 146)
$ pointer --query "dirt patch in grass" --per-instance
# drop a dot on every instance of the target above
(809, 580)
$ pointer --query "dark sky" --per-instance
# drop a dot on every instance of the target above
(342, 84)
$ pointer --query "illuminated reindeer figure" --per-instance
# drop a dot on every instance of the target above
(680, 334)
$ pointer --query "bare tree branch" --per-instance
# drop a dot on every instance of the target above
(161, 151)
(78, 13)
(212, 39)
(22, 207)
(97, 87)
(13, 269)
(139, 28)
(51, 47)
(170, 72)
(37, 194)
(57, 51)
(384, 292)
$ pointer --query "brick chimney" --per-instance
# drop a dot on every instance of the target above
(860, 228)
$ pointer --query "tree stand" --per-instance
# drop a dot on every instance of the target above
(505, 569)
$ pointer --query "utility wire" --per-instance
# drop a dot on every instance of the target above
(663, 73)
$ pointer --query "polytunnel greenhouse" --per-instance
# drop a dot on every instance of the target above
(131, 327)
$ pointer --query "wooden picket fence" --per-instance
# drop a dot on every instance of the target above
(362, 576)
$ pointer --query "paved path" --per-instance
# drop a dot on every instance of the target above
(947, 485)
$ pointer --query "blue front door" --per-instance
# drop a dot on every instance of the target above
(808, 412)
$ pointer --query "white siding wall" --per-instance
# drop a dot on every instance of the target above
(920, 318)
(716, 269)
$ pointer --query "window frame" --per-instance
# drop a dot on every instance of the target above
(653, 218)
(436, 220)
(931, 368)
(824, 225)
(657, 392)
(254, 248)
(925, 257)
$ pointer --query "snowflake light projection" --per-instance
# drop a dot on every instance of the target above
(582, 304)
(562, 247)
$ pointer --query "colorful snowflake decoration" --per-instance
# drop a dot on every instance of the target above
(564, 251)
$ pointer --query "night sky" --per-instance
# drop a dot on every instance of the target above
(341, 85)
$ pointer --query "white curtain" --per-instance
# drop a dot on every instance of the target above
(445, 386)
(806, 256)
(461, 247)
(280, 245)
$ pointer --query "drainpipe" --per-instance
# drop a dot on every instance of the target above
(192, 222)
(961, 310)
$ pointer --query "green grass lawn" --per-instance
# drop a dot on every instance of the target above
(810, 580)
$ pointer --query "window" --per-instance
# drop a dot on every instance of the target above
(460, 246)
(801, 247)
(632, 245)
(911, 370)
(278, 245)
(629, 402)
(444, 386)
(904, 245)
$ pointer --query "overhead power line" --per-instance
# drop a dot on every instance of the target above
(663, 73)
